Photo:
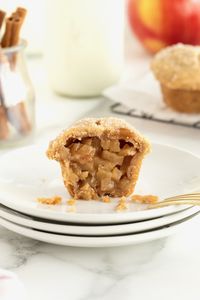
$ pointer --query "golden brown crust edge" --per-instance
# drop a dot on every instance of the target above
(90, 127)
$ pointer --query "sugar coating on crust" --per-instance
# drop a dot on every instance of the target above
(91, 127)
(178, 67)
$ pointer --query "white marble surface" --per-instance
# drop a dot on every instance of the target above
(164, 269)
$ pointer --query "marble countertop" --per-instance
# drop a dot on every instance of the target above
(164, 269)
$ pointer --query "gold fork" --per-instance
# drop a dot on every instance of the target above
(185, 199)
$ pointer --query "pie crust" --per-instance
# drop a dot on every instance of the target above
(177, 68)
(99, 157)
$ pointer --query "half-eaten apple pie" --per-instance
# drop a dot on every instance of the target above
(99, 157)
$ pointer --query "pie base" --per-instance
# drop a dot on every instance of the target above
(181, 100)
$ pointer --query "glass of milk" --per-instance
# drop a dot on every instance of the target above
(84, 45)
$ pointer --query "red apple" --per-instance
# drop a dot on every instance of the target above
(159, 23)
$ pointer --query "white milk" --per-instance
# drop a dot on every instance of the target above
(84, 50)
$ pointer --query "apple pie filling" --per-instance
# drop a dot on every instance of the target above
(94, 167)
(99, 157)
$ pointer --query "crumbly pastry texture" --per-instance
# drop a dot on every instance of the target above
(50, 200)
(147, 199)
(178, 67)
(122, 205)
(99, 157)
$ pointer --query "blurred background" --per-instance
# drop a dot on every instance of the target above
(35, 25)
(156, 23)
(79, 48)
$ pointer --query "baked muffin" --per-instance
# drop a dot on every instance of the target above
(178, 70)
(99, 157)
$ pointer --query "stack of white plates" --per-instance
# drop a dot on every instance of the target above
(26, 174)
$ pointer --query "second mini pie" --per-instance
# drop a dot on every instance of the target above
(99, 157)
(177, 68)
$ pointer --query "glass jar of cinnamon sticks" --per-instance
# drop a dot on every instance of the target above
(16, 91)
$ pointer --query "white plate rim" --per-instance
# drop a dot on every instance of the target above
(96, 218)
(109, 241)
(95, 230)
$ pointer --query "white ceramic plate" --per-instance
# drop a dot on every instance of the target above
(26, 174)
(84, 241)
(93, 230)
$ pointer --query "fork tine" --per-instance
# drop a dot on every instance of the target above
(184, 196)
(191, 194)
(177, 202)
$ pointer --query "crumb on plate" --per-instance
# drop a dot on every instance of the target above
(71, 201)
(72, 205)
(50, 200)
(122, 205)
(146, 199)
(106, 199)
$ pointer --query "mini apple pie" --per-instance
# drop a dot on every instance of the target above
(177, 68)
(99, 157)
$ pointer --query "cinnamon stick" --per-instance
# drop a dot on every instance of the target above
(18, 19)
(4, 129)
(2, 16)
(13, 27)
(16, 27)
(18, 114)
(21, 13)
(5, 42)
